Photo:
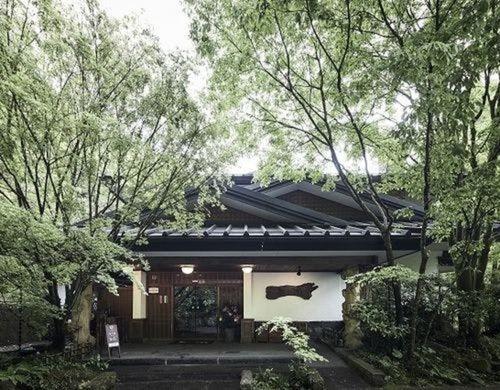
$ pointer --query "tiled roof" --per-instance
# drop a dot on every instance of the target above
(402, 230)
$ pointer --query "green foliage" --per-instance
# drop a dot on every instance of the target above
(439, 304)
(284, 82)
(377, 320)
(35, 254)
(443, 360)
(65, 374)
(23, 373)
(412, 85)
(269, 380)
(404, 214)
(382, 276)
(99, 132)
(299, 375)
(104, 145)
(492, 346)
(48, 372)
(432, 366)
(29, 249)
(373, 310)
(295, 339)
(97, 363)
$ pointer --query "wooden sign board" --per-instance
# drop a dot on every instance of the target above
(153, 290)
(112, 338)
(303, 291)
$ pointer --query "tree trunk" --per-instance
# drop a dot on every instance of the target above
(352, 334)
(424, 259)
(477, 288)
(468, 320)
(59, 323)
(396, 288)
(82, 315)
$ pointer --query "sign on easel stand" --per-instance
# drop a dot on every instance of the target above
(112, 339)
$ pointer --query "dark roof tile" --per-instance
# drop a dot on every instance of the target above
(214, 231)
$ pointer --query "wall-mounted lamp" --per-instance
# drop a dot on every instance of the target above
(187, 269)
(299, 271)
(247, 269)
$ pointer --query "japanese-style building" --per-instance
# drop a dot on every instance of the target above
(282, 250)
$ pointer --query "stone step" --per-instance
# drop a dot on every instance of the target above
(212, 361)
(180, 385)
(225, 377)
(199, 373)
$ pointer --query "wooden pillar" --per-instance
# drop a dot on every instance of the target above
(352, 332)
(247, 323)
(247, 295)
(139, 306)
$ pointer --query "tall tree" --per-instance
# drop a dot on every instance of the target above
(444, 56)
(301, 70)
(98, 130)
(412, 83)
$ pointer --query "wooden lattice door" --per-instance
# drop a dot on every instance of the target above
(159, 312)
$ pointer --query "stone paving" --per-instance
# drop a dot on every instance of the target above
(214, 353)
(216, 365)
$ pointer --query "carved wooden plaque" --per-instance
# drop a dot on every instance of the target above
(304, 291)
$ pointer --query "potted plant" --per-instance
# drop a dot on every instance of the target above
(229, 320)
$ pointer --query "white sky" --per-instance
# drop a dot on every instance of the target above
(166, 17)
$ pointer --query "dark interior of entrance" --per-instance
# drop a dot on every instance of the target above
(169, 314)
(195, 312)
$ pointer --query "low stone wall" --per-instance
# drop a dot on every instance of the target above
(372, 375)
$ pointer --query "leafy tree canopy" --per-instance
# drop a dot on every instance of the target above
(97, 131)
(413, 85)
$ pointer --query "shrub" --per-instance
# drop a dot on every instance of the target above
(295, 339)
(299, 375)
(269, 380)
(51, 372)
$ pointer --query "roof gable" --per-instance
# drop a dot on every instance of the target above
(230, 215)
(340, 195)
(324, 205)
(250, 203)
(274, 209)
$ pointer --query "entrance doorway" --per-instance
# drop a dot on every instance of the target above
(195, 312)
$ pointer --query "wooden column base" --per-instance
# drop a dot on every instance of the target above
(247, 330)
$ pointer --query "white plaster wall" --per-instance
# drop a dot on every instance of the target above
(324, 305)
(412, 261)
(61, 291)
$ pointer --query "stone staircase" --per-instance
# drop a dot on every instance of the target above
(173, 377)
